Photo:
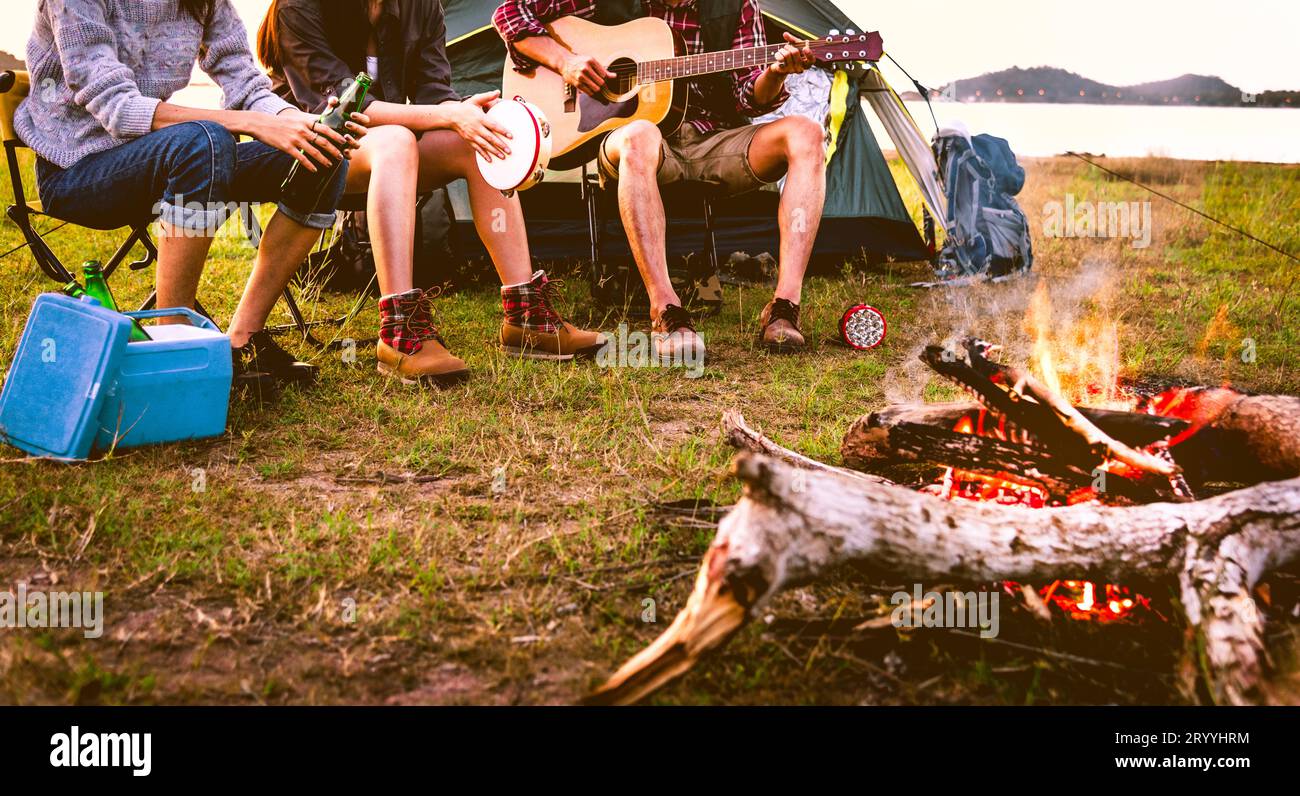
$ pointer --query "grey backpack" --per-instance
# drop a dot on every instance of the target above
(988, 233)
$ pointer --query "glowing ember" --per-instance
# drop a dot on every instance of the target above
(1078, 599)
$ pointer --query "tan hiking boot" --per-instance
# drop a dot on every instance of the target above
(432, 364)
(674, 338)
(533, 329)
(410, 347)
(779, 324)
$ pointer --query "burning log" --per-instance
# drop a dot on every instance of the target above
(794, 525)
(1245, 439)
(864, 448)
(800, 518)
(886, 438)
(1031, 408)
(1221, 435)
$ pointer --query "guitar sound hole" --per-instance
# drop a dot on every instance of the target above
(625, 82)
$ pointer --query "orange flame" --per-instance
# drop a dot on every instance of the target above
(1079, 361)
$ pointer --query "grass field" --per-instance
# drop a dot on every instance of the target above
(497, 542)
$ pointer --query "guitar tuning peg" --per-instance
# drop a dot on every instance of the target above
(850, 32)
(835, 32)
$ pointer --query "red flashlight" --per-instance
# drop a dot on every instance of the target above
(863, 327)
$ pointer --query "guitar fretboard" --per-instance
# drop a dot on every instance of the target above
(705, 63)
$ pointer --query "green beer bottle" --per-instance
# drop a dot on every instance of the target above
(303, 189)
(97, 288)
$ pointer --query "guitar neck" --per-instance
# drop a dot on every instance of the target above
(705, 63)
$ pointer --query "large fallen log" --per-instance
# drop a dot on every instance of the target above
(795, 524)
(792, 526)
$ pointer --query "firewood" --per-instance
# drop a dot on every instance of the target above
(1238, 439)
(1132, 428)
(799, 519)
(793, 526)
(868, 446)
(740, 436)
(1015, 394)
(1260, 433)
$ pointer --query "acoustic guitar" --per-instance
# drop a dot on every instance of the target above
(648, 58)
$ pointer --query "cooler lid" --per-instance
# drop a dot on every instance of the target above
(67, 356)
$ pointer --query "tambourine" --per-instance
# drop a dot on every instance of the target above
(863, 327)
(530, 148)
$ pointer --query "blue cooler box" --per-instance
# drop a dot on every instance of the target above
(171, 388)
(69, 353)
(77, 384)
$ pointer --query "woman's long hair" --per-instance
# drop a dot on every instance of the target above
(201, 10)
(268, 40)
(346, 27)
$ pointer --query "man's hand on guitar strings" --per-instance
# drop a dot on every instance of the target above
(792, 59)
(586, 74)
(470, 121)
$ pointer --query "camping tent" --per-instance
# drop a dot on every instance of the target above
(864, 210)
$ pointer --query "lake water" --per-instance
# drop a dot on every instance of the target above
(1270, 135)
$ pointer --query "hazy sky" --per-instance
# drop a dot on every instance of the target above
(1251, 43)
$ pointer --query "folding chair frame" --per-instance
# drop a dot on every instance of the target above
(591, 188)
(253, 229)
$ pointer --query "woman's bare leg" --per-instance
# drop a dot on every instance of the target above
(444, 156)
(284, 246)
(181, 257)
(385, 168)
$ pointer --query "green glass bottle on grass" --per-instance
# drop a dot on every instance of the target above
(97, 288)
(303, 189)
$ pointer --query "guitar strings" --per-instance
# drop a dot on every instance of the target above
(626, 76)
(771, 48)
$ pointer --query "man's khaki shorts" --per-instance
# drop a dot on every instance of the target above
(720, 158)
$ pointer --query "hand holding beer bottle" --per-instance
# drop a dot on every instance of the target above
(302, 190)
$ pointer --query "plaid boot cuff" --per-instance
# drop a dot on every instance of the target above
(404, 323)
(529, 306)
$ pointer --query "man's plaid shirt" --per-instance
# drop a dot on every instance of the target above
(518, 19)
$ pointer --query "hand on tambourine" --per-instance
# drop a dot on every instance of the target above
(795, 57)
(470, 121)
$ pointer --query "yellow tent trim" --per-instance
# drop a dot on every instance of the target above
(469, 35)
(839, 109)
(791, 26)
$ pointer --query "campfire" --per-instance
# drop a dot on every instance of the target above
(1066, 479)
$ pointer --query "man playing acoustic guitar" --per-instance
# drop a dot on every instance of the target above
(716, 144)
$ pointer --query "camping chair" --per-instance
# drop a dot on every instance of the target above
(675, 197)
(14, 88)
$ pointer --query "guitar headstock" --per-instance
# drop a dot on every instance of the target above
(847, 50)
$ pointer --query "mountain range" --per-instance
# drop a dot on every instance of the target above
(1048, 84)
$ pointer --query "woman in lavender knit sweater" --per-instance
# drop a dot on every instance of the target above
(113, 151)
